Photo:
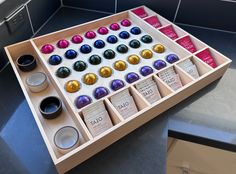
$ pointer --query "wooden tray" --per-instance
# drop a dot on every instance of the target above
(72, 116)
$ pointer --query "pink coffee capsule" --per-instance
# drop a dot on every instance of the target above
(103, 30)
(140, 12)
(90, 34)
(206, 56)
(47, 49)
(114, 26)
(62, 43)
(187, 43)
(77, 39)
(170, 32)
(126, 22)
(154, 21)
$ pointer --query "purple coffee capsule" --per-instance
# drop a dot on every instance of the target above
(146, 70)
(82, 101)
(117, 84)
(159, 64)
(132, 77)
(171, 58)
(100, 92)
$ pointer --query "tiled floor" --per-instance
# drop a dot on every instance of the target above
(22, 149)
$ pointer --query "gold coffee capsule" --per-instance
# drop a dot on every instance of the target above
(133, 59)
(158, 48)
(105, 71)
(72, 86)
(120, 65)
(146, 54)
(90, 78)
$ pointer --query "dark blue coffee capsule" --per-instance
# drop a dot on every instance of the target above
(55, 60)
(135, 30)
(70, 54)
(112, 39)
(124, 35)
(85, 49)
(99, 44)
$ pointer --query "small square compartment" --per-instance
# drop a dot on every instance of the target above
(147, 92)
(191, 43)
(142, 12)
(139, 101)
(201, 67)
(177, 82)
(156, 21)
(172, 31)
(93, 123)
(218, 58)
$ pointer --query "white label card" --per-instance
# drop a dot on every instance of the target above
(97, 118)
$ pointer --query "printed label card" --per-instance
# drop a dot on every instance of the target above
(190, 68)
(154, 21)
(97, 118)
(140, 12)
(206, 56)
(171, 78)
(148, 89)
(187, 43)
(124, 104)
(170, 32)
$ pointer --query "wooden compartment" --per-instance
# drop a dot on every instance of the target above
(163, 88)
(138, 99)
(176, 30)
(184, 78)
(162, 21)
(74, 117)
(114, 116)
(197, 44)
(202, 67)
(47, 127)
(219, 58)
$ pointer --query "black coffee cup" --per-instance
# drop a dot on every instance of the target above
(50, 107)
(26, 63)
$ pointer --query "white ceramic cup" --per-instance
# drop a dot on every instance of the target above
(37, 82)
(66, 139)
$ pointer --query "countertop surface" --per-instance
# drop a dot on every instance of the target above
(207, 117)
